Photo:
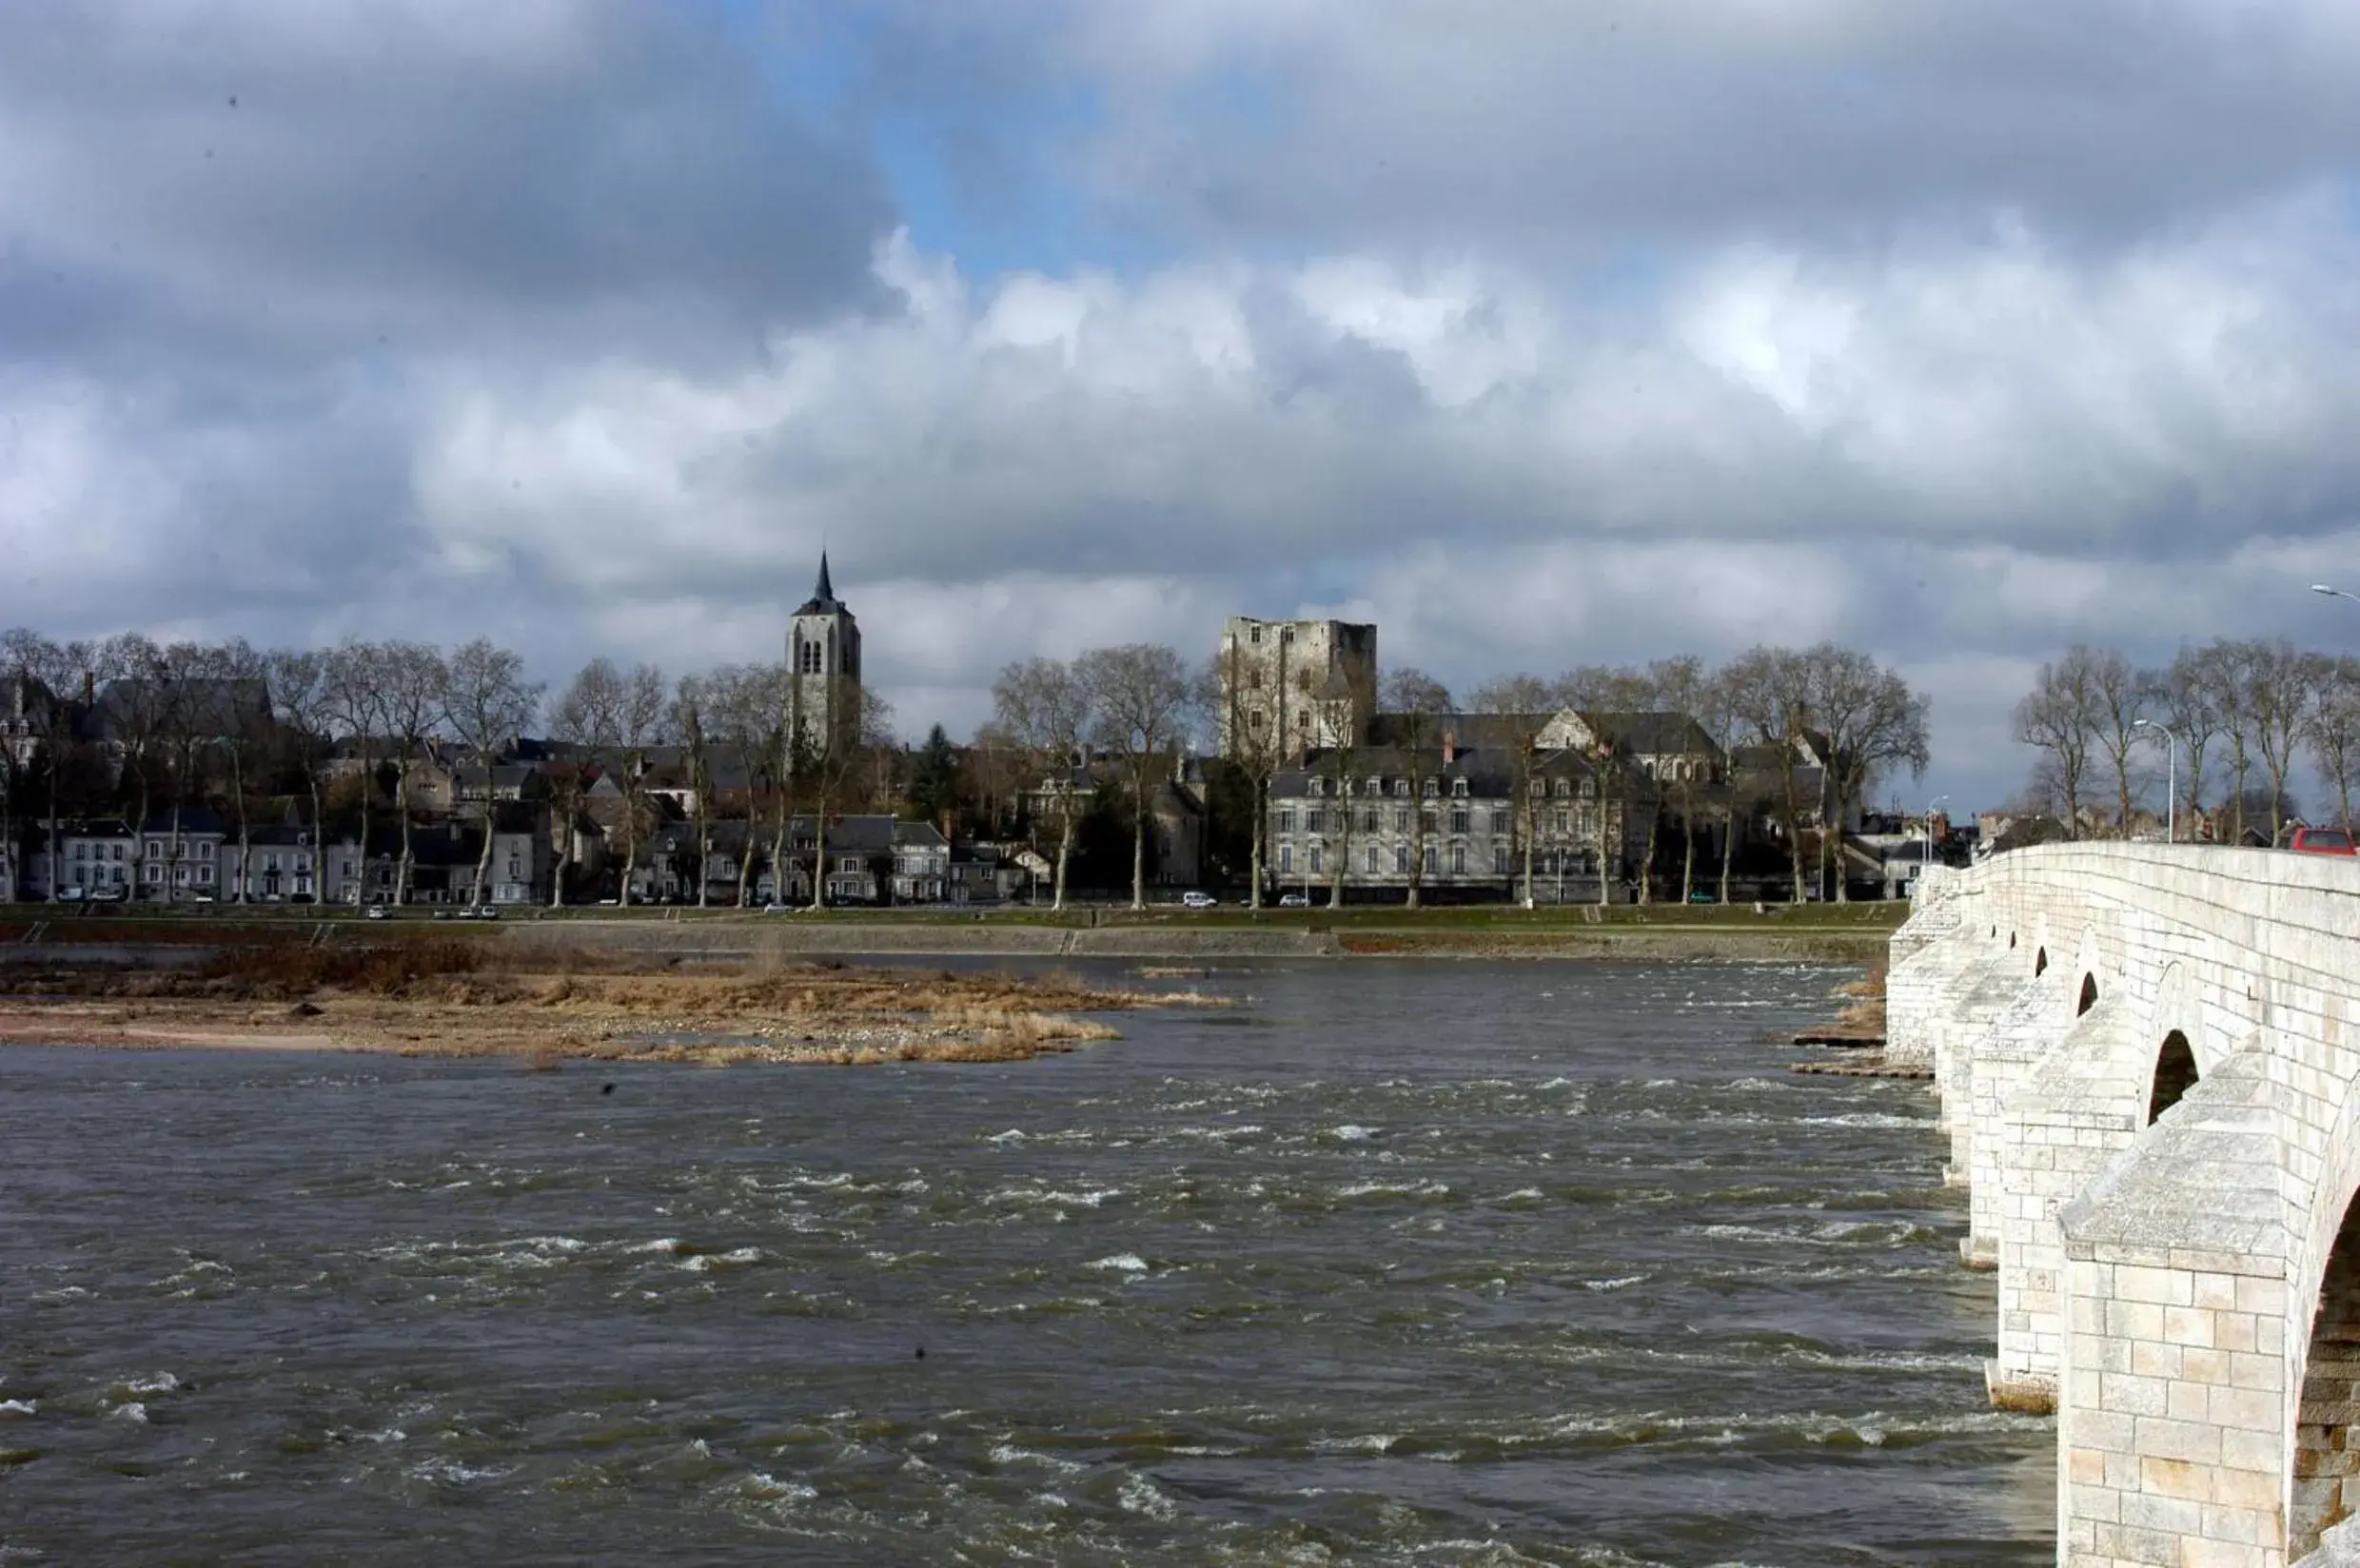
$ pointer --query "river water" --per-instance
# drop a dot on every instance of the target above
(1410, 1263)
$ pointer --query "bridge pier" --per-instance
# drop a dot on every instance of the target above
(2173, 1412)
(2075, 1109)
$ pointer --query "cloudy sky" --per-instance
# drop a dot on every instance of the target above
(1540, 332)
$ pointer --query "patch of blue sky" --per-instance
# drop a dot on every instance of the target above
(983, 155)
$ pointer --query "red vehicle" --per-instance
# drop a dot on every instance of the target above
(2322, 841)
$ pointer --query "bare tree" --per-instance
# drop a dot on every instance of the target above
(2225, 668)
(692, 700)
(747, 705)
(2281, 683)
(1872, 722)
(1050, 709)
(642, 721)
(1718, 715)
(1340, 763)
(1769, 690)
(833, 756)
(1608, 697)
(1141, 693)
(1415, 705)
(355, 697)
(2333, 731)
(1678, 685)
(2122, 697)
(245, 726)
(303, 699)
(2059, 717)
(2185, 700)
(410, 686)
(488, 704)
(588, 719)
(1520, 708)
(136, 705)
(1257, 744)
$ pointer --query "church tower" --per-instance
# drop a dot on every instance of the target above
(823, 652)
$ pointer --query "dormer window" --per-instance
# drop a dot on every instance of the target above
(1565, 788)
(1432, 789)
(1315, 786)
(1458, 788)
(1401, 789)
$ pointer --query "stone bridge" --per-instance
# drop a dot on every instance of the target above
(2149, 1064)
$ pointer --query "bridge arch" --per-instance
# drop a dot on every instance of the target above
(2089, 994)
(2175, 1074)
(2040, 962)
(2325, 1482)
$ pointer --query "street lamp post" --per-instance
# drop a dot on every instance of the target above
(1928, 860)
(2171, 776)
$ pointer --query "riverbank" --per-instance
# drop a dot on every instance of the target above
(1653, 934)
(545, 1002)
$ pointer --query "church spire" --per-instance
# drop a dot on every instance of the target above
(825, 593)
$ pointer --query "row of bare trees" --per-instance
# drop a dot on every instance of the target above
(1829, 721)
(193, 722)
(1822, 725)
(2242, 714)
(1139, 702)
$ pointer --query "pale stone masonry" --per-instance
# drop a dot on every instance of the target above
(1310, 683)
(823, 658)
(2147, 1065)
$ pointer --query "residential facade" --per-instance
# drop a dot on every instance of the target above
(1453, 821)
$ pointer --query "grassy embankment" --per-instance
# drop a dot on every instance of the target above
(120, 923)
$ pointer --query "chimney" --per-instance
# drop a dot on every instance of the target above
(1450, 747)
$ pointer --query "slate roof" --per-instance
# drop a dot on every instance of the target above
(824, 601)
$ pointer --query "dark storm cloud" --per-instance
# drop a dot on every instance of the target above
(298, 174)
(1538, 332)
(1614, 125)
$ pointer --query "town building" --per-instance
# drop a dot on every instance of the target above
(1291, 686)
(823, 660)
(1451, 821)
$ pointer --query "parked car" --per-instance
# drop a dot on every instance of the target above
(378, 912)
(1293, 901)
(2322, 841)
(485, 911)
(70, 895)
(1198, 900)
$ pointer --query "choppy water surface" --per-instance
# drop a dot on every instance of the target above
(1431, 1263)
